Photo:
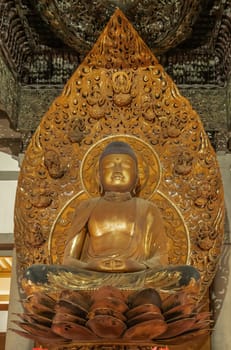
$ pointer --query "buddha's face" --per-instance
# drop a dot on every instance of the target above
(118, 173)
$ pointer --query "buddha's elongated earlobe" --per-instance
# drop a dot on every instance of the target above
(134, 191)
(101, 189)
(136, 188)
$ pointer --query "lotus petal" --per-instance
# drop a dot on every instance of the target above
(106, 311)
(106, 326)
(146, 330)
(146, 316)
(65, 317)
(42, 340)
(75, 297)
(110, 303)
(38, 309)
(41, 298)
(145, 296)
(73, 331)
(178, 327)
(35, 318)
(179, 310)
(139, 310)
(71, 308)
(36, 329)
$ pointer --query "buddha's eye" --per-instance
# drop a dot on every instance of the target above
(127, 164)
(109, 165)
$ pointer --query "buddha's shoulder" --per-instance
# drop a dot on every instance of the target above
(146, 204)
(88, 203)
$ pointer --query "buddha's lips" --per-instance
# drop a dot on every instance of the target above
(117, 176)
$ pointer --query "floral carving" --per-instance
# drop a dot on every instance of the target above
(120, 90)
(183, 164)
(40, 198)
(168, 22)
(121, 84)
(77, 131)
(35, 235)
(205, 237)
(53, 164)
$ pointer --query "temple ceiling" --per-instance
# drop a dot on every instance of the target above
(43, 41)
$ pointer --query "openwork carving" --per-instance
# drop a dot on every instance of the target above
(36, 56)
(120, 89)
(76, 24)
(13, 37)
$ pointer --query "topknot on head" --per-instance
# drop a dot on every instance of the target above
(118, 147)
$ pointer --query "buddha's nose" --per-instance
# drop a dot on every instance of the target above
(118, 167)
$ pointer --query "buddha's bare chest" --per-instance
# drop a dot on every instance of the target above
(116, 218)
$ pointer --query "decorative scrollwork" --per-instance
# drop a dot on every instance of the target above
(166, 23)
(121, 89)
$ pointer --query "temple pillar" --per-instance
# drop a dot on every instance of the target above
(221, 291)
(13, 340)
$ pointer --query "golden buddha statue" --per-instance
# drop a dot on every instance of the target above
(121, 226)
(117, 238)
(118, 244)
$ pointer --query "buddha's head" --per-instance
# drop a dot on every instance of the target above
(118, 168)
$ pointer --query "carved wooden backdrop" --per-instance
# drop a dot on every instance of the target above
(165, 23)
(120, 90)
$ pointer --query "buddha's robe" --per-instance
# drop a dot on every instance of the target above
(106, 240)
(128, 230)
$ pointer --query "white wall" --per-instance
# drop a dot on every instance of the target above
(7, 191)
(3, 321)
(8, 165)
